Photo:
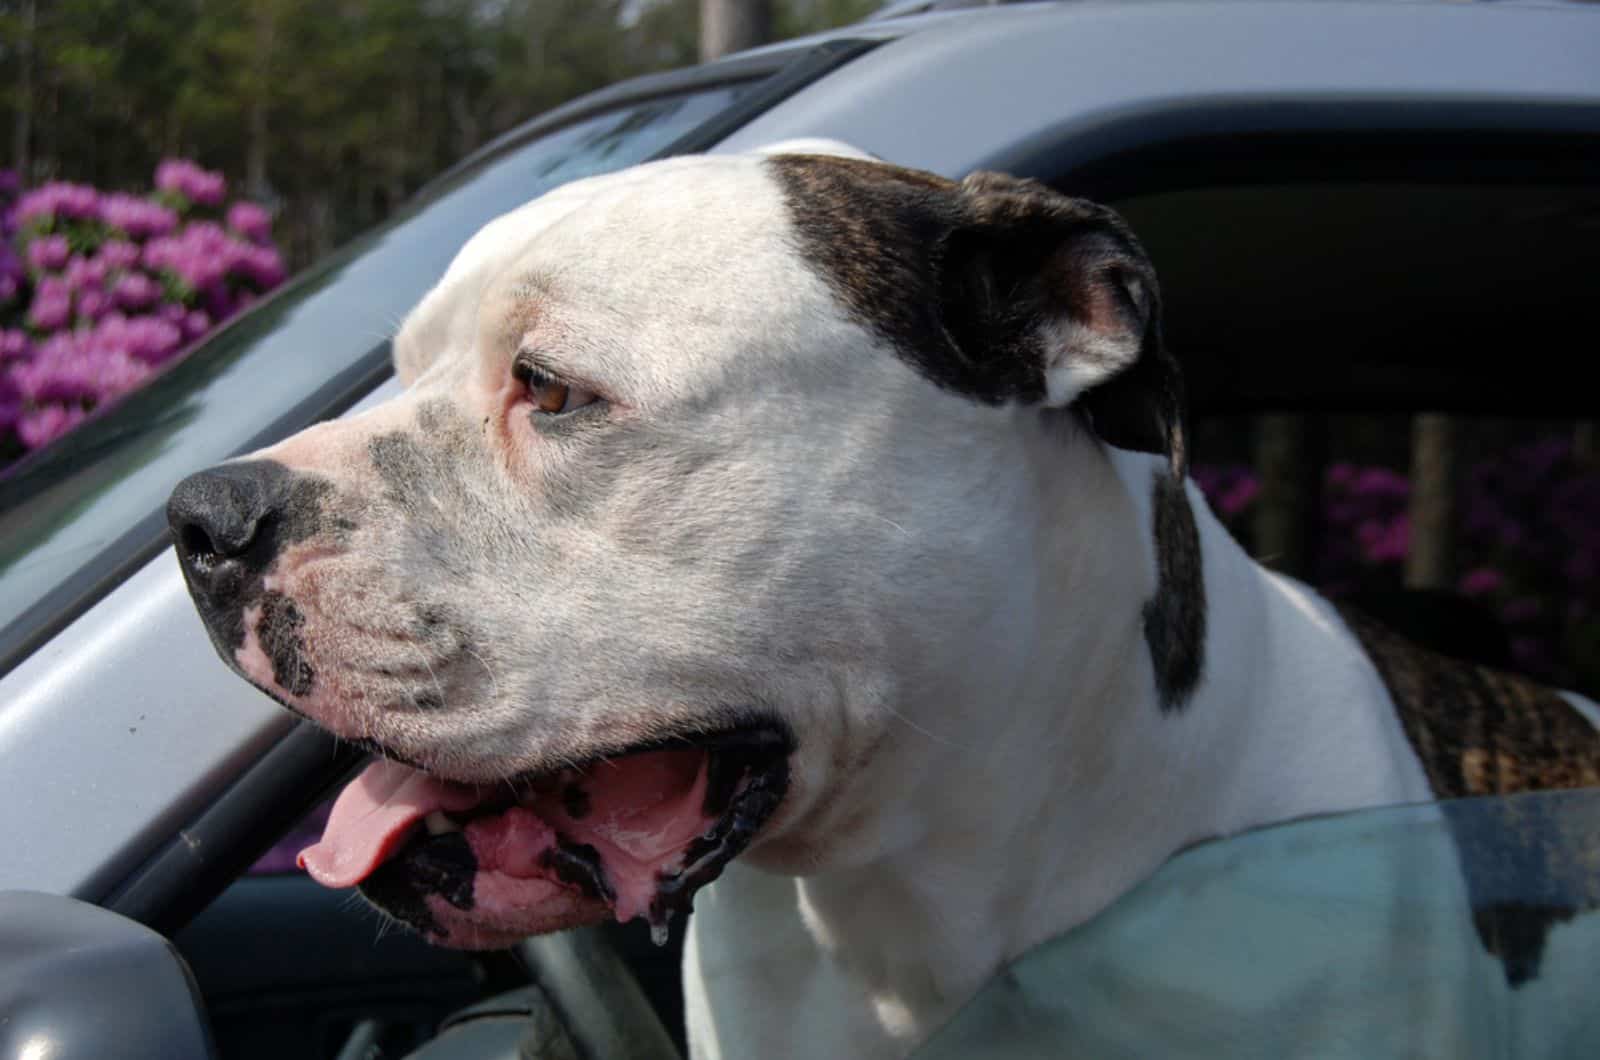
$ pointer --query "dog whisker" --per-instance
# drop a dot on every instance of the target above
(437, 687)
(935, 737)
(891, 522)
(493, 680)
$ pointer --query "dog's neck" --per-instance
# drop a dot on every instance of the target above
(1025, 814)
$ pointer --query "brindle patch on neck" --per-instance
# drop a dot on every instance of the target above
(1478, 731)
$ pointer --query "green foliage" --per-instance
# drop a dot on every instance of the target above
(332, 112)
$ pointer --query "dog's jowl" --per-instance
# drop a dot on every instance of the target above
(808, 543)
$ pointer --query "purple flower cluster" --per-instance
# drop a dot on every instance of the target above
(202, 187)
(57, 201)
(12, 274)
(1528, 544)
(250, 221)
(212, 264)
(1368, 506)
(137, 218)
(97, 290)
(1231, 489)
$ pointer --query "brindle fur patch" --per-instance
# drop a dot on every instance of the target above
(1175, 617)
(1479, 731)
(961, 279)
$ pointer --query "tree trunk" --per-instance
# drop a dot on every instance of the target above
(464, 121)
(1430, 561)
(256, 152)
(321, 217)
(1289, 463)
(733, 25)
(22, 127)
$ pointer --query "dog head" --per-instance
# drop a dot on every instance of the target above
(710, 477)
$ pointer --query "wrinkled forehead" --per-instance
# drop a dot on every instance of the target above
(673, 254)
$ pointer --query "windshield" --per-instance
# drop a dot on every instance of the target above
(1456, 929)
(75, 511)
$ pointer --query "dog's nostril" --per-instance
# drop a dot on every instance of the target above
(198, 546)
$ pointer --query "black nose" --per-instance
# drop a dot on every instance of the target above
(224, 522)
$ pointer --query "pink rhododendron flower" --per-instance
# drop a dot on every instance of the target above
(202, 187)
(1239, 496)
(92, 305)
(57, 201)
(135, 290)
(116, 255)
(14, 344)
(48, 253)
(61, 370)
(136, 217)
(219, 302)
(1385, 542)
(147, 338)
(1481, 581)
(196, 323)
(50, 313)
(260, 265)
(84, 274)
(10, 406)
(251, 221)
(47, 423)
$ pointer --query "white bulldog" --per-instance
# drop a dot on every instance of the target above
(833, 516)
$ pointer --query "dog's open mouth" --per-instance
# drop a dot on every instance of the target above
(634, 835)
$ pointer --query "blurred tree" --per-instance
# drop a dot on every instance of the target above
(732, 26)
(331, 112)
(1430, 560)
(1289, 457)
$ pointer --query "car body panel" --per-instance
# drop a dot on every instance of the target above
(117, 731)
(1075, 82)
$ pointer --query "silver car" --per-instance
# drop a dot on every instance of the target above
(1355, 206)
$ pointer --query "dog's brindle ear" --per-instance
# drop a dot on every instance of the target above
(997, 288)
(1067, 283)
(1067, 279)
(1003, 290)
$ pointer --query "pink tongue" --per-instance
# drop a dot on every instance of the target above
(373, 815)
(640, 813)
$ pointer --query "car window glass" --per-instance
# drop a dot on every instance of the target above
(1476, 536)
(1454, 929)
(283, 855)
(63, 510)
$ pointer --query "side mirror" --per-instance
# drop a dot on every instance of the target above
(77, 981)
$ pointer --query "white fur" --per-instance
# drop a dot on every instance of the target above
(1082, 358)
(1038, 808)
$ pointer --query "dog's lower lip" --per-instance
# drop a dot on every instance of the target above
(753, 738)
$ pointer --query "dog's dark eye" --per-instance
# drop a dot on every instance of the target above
(549, 395)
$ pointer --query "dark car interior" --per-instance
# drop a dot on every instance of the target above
(1321, 276)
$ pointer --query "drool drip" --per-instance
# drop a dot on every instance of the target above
(660, 927)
